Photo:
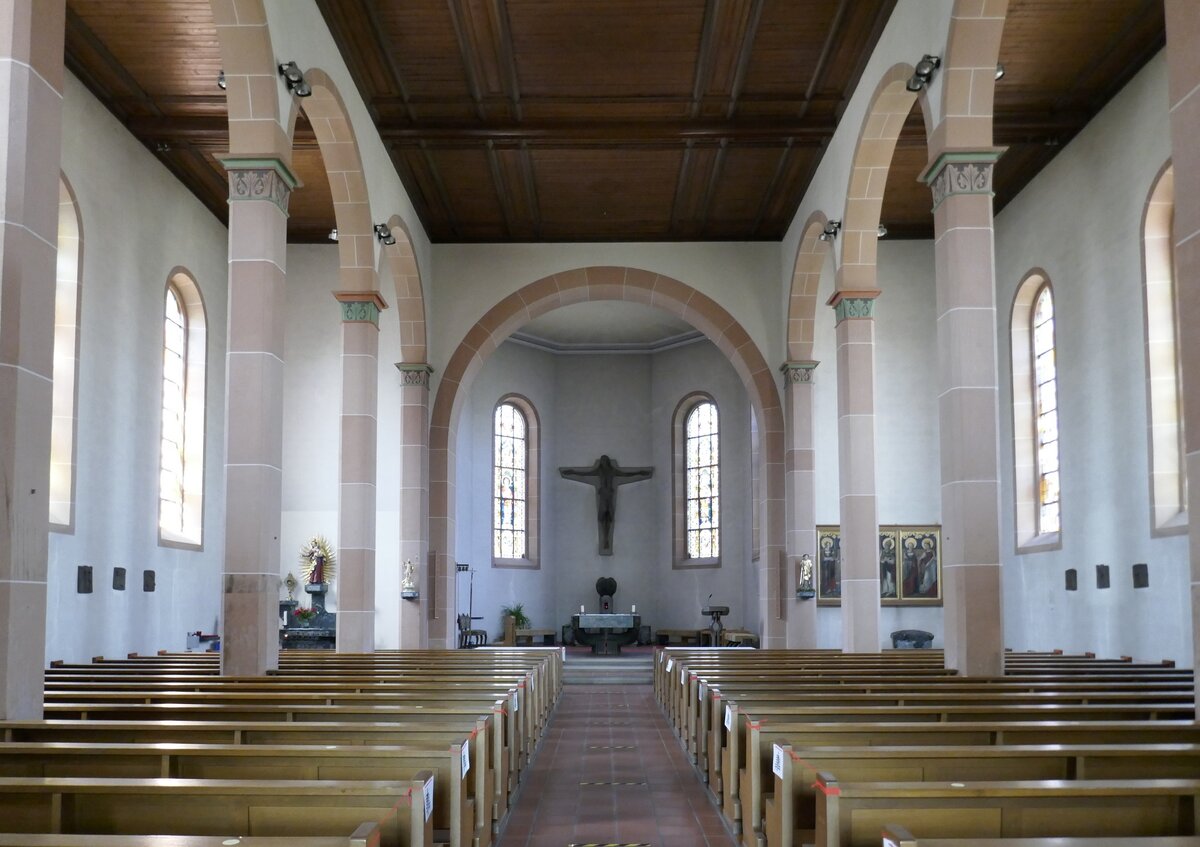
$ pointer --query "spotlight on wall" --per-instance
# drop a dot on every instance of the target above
(385, 234)
(221, 84)
(333, 234)
(831, 230)
(294, 79)
(999, 71)
(882, 231)
(923, 72)
(162, 147)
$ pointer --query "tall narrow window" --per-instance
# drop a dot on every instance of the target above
(66, 361)
(697, 483)
(1037, 469)
(1168, 476)
(181, 445)
(1045, 386)
(514, 484)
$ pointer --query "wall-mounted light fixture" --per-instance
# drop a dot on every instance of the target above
(999, 71)
(221, 84)
(831, 230)
(333, 234)
(294, 79)
(923, 72)
(882, 231)
(384, 234)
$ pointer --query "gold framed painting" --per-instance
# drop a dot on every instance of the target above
(920, 562)
(829, 566)
(889, 583)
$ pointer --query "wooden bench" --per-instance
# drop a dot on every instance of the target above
(854, 814)
(791, 807)
(457, 810)
(367, 835)
(218, 807)
(897, 836)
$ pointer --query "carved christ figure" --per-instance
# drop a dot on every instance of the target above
(605, 475)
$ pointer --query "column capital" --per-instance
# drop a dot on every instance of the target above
(259, 179)
(854, 304)
(961, 172)
(798, 373)
(414, 373)
(360, 306)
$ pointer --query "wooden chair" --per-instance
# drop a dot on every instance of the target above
(468, 637)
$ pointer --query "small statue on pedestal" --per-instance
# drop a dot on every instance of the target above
(408, 582)
(807, 588)
(317, 562)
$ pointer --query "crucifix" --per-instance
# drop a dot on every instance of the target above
(605, 475)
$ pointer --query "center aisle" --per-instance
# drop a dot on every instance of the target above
(611, 771)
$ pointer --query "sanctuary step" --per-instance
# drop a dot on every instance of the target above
(585, 669)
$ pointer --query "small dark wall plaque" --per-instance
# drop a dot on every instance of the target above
(1102, 576)
(1141, 575)
(118, 579)
(1072, 579)
(147, 580)
(83, 579)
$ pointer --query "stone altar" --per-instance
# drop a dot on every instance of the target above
(606, 633)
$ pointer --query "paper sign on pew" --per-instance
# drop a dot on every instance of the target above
(670, 665)
(887, 842)
(428, 797)
(728, 719)
(701, 691)
(777, 760)
(466, 757)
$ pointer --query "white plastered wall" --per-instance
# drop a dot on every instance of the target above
(139, 223)
(1080, 221)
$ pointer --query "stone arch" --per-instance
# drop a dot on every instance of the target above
(806, 278)
(574, 286)
(859, 236)
(401, 260)
(969, 75)
(251, 80)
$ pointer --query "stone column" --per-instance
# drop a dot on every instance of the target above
(258, 195)
(856, 469)
(798, 380)
(31, 54)
(414, 499)
(356, 488)
(968, 410)
(1183, 69)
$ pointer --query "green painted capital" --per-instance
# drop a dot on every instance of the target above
(960, 172)
(799, 373)
(259, 179)
(854, 307)
(360, 311)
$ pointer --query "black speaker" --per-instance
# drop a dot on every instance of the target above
(118, 579)
(83, 579)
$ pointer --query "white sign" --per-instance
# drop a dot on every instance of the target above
(428, 798)
(728, 719)
(777, 760)
(670, 665)
(701, 691)
(660, 655)
(517, 700)
(887, 842)
(682, 675)
(466, 758)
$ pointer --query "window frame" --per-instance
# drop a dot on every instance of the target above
(182, 285)
(530, 561)
(683, 411)
(64, 426)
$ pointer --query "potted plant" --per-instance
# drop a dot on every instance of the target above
(517, 612)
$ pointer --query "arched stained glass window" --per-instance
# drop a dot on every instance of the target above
(510, 477)
(69, 279)
(703, 482)
(1045, 393)
(170, 478)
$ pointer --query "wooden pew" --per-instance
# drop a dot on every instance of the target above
(458, 809)
(790, 810)
(854, 814)
(218, 807)
(897, 836)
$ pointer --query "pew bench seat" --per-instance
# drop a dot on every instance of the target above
(897, 836)
(367, 835)
(219, 807)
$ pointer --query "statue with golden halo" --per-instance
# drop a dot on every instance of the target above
(317, 561)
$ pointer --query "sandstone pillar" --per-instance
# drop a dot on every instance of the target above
(414, 500)
(799, 449)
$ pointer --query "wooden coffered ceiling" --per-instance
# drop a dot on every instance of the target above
(598, 120)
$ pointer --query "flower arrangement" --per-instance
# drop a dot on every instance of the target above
(317, 561)
(304, 615)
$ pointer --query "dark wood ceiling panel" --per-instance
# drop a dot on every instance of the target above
(607, 192)
(745, 177)
(604, 119)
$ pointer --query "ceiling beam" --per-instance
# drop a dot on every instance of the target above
(743, 62)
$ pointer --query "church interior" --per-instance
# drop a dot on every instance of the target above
(339, 336)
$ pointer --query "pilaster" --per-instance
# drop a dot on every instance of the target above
(854, 311)
(968, 410)
(259, 190)
(799, 380)
(414, 500)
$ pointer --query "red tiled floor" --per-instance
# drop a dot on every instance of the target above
(669, 807)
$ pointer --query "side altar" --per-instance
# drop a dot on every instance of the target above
(314, 628)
